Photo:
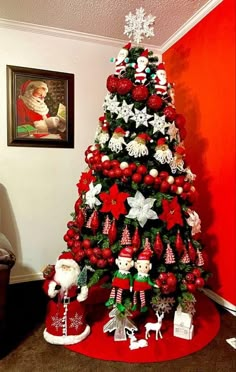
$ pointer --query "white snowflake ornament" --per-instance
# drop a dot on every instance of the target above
(159, 124)
(113, 105)
(141, 117)
(138, 26)
(125, 111)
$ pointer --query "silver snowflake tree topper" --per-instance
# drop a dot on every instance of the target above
(139, 26)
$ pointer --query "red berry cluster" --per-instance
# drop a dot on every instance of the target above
(101, 257)
(193, 280)
(166, 282)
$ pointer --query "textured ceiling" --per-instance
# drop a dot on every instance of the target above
(104, 18)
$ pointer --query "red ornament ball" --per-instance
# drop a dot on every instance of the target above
(106, 252)
(200, 282)
(180, 123)
(142, 169)
(140, 93)
(148, 179)
(169, 113)
(112, 82)
(154, 102)
(180, 120)
(124, 86)
(137, 177)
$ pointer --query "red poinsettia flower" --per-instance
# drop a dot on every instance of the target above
(85, 179)
(171, 213)
(114, 201)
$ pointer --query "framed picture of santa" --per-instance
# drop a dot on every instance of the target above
(40, 107)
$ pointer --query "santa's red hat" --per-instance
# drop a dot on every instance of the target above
(144, 136)
(120, 130)
(31, 84)
(67, 259)
(144, 53)
(161, 66)
(126, 252)
(145, 255)
(127, 46)
(161, 141)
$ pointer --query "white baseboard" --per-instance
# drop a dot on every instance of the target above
(220, 300)
(25, 278)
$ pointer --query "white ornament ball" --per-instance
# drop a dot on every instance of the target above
(179, 190)
(153, 172)
(170, 180)
(104, 158)
(93, 148)
(124, 165)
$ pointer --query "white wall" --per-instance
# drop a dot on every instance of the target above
(38, 185)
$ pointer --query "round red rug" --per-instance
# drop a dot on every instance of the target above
(101, 345)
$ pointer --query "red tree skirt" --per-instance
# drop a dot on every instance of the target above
(101, 345)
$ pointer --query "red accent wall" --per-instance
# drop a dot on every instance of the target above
(202, 65)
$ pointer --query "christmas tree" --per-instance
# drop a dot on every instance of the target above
(135, 199)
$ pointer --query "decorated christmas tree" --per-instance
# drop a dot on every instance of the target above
(135, 199)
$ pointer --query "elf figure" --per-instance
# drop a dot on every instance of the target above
(121, 60)
(122, 279)
(141, 68)
(65, 318)
(141, 280)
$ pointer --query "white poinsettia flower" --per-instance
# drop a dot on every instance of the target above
(90, 196)
(141, 208)
(194, 221)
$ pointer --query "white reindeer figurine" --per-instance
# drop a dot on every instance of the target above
(155, 326)
(134, 343)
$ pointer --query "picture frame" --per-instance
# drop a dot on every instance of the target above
(40, 108)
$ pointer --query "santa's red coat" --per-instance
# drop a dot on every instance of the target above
(65, 318)
(25, 115)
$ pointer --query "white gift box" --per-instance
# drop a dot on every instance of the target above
(183, 326)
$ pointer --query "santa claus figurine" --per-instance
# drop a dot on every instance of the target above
(31, 108)
(121, 60)
(65, 318)
(160, 79)
(141, 68)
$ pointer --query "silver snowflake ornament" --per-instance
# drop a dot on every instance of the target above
(138, 25)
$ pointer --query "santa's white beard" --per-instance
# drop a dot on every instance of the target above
(66, 278)
(35, 104)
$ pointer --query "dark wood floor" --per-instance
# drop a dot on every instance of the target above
(24, 349)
